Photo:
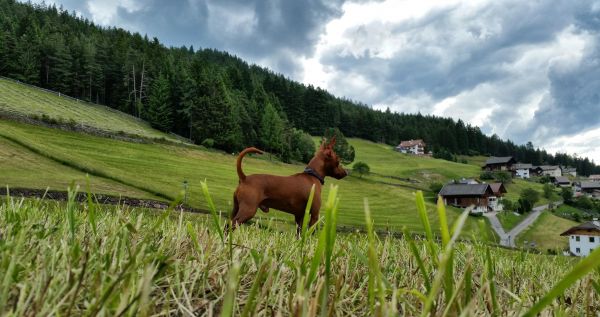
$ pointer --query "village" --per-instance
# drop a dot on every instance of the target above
(486, 196)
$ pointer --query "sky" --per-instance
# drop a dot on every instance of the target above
(524, 70)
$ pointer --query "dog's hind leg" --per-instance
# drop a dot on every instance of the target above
(234, 211)
(245, 212)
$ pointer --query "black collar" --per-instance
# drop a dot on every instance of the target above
(312, 172)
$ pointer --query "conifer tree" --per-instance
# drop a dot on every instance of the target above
(159, 112)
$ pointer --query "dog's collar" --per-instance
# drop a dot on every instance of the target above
(312, 172)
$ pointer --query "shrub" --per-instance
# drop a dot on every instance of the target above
(435, 187)
(502, 176)
(548, 190)
(567, 195)
(208, 143)
(486, 175)
(508, 204)
(531, 195)
(361, 168)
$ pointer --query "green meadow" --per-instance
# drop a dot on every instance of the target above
(159, 170)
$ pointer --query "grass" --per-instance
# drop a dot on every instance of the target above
(34, 102)
(509, 219)
(72, 259)
(515, 188)
(382, 159)
(545, 232)
(160, 169)
(22, 168)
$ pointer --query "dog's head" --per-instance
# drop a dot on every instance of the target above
(331, 160)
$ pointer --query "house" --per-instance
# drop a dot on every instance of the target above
(589, 188)
(547, 170)
(495, 201)
(562, 181)
(584, 238)
(466, 195)
(499, 163)
(594, 178)
(569, 171)
(416, 147)
(521, 170)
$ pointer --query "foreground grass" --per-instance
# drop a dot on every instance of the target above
(545, 232)
(160, 169)
(29, 101)
(92, 260)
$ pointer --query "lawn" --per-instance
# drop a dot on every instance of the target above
(161, 169)
(509, 219)
(545, 232)
(20, 167)
(514, 190)
(31, 102)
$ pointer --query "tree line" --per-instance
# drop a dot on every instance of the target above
(213, 97)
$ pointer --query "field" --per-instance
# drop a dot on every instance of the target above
(509, 219)
(22, 168)
(30, 102)
(515, 188)
(545, 232)
(71, 260)
(159, 170)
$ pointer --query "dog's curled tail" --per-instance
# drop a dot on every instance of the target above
(240, 173)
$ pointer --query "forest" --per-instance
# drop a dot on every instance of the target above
(215, 98)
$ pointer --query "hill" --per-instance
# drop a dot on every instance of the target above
(208, 94)
(21, 101)
(160, 169)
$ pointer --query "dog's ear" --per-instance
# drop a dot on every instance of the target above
(332, 142)
(328, 152)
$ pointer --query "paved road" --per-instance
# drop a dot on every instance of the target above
(508, 239)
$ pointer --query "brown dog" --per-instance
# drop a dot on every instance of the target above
(285, 193)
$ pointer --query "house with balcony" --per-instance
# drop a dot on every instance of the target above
(521, 170)
(416, 147)
(480, 196)
(504, 163)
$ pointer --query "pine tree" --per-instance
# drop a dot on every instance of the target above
(159, 112)
(271, 129)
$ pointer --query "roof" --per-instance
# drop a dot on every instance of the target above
(594, 176)
(590, 185)
(590, 226)
(548, 167)
(562, 180)
(499, 160)
(523, 166)
(464, 189)
(411, 143)
(569, 169)
(498, 188)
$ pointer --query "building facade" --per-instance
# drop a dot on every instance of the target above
(522, 170)
(584, 238)
(416, 147)
(499, 163)
(480, 196)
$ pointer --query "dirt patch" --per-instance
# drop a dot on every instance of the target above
(98, 198)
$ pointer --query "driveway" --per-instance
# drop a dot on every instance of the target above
(508, 239)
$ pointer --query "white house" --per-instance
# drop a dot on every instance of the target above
(569, 171)
(584, 238)
(416, 147)
(550, 170)
(522, 170)
(594, 178)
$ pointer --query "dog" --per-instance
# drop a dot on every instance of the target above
(286, 193)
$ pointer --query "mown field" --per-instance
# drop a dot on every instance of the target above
(545, 232)
(160, 170)
(33, 102)
(70, 259)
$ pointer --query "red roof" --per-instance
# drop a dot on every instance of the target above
(498, 188)
(412, 143)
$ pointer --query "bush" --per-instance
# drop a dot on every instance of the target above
(486, 175)
(208, 143)
(361, 168)
(544, 179)
(502, 176)
(527, 200)
(524, 205)
(548, 190)
(584, 202)
(435, 187)
(302, 146)
(508, 205)
(567, 195)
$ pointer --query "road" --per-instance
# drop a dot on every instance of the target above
(508, 239)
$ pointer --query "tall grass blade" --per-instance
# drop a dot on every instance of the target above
(232, 286)
(213, 210)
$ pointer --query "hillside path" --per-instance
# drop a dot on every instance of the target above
(508, 239)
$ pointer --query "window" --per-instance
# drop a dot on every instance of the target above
(577, 238)
(592, 239)
(577, 250)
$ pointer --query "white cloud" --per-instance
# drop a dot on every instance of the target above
(105, 12)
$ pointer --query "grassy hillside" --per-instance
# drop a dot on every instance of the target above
(61, 260)
(19, 167)
(33, 102)
(161, 169)
(545, 232)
